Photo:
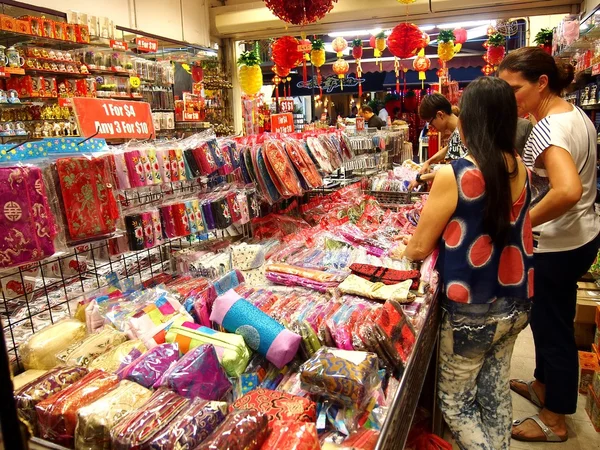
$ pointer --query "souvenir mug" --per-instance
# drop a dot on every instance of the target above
(14, 59)
(3, 58)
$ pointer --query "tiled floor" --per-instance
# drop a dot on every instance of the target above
(582, 435)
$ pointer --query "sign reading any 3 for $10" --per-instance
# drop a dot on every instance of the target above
(113, 118)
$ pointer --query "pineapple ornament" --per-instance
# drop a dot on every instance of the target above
(251, 79)
(378, 42)
(317, 59)
(446, 46)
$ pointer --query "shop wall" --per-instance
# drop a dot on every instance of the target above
(177, 19)
(588, 6)
(536, 23)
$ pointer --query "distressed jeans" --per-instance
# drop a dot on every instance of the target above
(476, 346)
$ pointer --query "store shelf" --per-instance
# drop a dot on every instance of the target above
(8, 39)
(591, 107)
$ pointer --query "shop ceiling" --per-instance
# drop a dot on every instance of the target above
(250, 19)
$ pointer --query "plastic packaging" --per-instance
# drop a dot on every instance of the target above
(116, 357)
(290, 435)
(27, 377)
(149, 367)
(277, 405)
(356, 285)
(244, 430)
(83, 352)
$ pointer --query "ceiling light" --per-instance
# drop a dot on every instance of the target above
(426, 27)
(474, 23)
(349, 33)
(477, 32)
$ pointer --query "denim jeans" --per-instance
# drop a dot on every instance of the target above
(476, 345)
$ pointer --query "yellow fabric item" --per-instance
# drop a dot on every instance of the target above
(82, 353)
(26, 377)
(356, 285)
(41, 349)
(112, 359)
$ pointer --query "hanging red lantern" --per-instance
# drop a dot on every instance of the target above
(282, 72)
(338, 45)
(487, 70)
(285, 53)
(357, 54)
(496, 50)
(422, 64)
(341, 68)
(460, 37)
(300, 13)
(426, 39)
(405, 40)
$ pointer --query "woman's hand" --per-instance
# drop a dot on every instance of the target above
(425, 167)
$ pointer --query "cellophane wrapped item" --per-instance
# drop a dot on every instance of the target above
(83, 352)
(345, 377)
(191, 427)
(149, 367)
(118, 356)
(243, 430)
(57, 415)
(95, 421)
(139, 428)
(197, 375)
(26, 377)
(41, 388)
(292, 435)
(277, 405)
(40, 351)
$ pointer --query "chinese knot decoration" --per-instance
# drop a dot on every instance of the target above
(280, 74)
(305, 47)
(357, 54)
(422, 64)
(300, 12)
(495, 51)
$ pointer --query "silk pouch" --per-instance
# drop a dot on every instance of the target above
(395, 333)
(290, 435)
(277, 405)
(241, 430)
(124, 353)
(135, 232)
(83, 352)
(135, 169)
(356, 285)
(149, 367)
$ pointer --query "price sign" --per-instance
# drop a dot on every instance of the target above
(360, 123)
(305, 48)
(113, 118)
(118, 45)
(146, 45)
(286, 105)
(282, 123)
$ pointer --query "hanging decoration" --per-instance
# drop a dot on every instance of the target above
(422, 64)
(289, 85)
(250, 73)
(426, 39)
(487, 70)
(280, 74)
(379, 45)
(544, 39)
(317, 59)
(341, 68)
(496, 51)
(285, 53)
(305, 47)
(460, 37)
(405, 40)
(339, 44)
(357, 54)
(300, 12)
(446, 46)
(276, 81)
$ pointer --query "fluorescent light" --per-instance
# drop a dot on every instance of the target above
(477, 32)
(426, 27)
(349, 33)
(474, 23)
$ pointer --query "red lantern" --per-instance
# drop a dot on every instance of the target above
(495, 54)
(460, 35)
(422, 64)
(357, 52)
(285, 53)
(487, 70)
(372, 42)
(338, 45)
(341, 68)
(281, 72)
(300, 13)
(405, 40)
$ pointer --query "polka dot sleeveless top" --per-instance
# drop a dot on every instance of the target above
(473, 268)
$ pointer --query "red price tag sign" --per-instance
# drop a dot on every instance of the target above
(113, 118)
(146, 45)
(282, 123)
(118, 45)
(360, 123)
(286, 105)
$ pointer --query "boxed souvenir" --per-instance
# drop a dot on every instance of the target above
(22, 26)
(57, 415)
(292, 435)
(246, 430)
(40, 351)
(277, 405)
(118, 356)
(59, 30)
(83, 352)
(50, 89)
(8, 23)
(592, 407)
(587, 367)
(70, 32)
(43, 387)
(95, 421)
(149, 367)
(48, 28)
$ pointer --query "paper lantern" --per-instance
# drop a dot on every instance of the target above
(338, 45)
(250, 73)
(285, 53)
(460, 37)
(422, 64)
(405, 40)
(487, 70)
(341, 68)
(282, 72)
(300, 12)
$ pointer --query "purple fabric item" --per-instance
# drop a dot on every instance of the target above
(294, 280)
(203, 302)
(131, 356)
(121, 171)
(197, 375)
(27, 227)
(209, 219)
(149, 367)
(135, 169)
(168, 221)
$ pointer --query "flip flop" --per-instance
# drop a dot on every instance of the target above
(533, 398)
(549, 435)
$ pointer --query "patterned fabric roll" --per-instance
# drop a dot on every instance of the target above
(148, 228)
(168, 221)
(290, 435)
(135, 169)
(135, 231)
(83, 352)
(277, 405)
(241, 430)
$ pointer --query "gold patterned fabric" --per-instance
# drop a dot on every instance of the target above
(41, 349)
(82, 353)
(111, 360)
(26, 377)
(356, 285)
(95, 421)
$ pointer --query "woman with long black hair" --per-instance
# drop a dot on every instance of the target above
(478, 215)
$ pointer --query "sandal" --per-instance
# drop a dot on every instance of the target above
(533, 398)
(549, 435)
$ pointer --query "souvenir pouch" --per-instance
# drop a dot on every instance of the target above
(241, 430)
(198, 216)
(41, 388)
(319, 153)
(221, 213)
(164, 165)
(89, 205)
(292, 435)
(135, 232)
(231, 349)
(344, 377)
(121, 172)
(234, 154)
(194, 169)
(193, 425)
(148, 175)
(135, 169)
(205, 159)
(182, 226)
(57, 415)
(83, 352)
(234, 209)
(207, 213)
(228, 281)
(303, 164)
(157, 227)
(262, 172)
(122, 354)
(261, 333)
(151, 319)
(168, 221)
(395, 333)
(227, 167)
(385, 275)
(139, 428)
(203, 302)
(180, 164)
(281, 170)
(244, 168)
(148, 227)
(242, 205)
(356, 285)
(334, 157)
(27, 227)
(253, 205)
(215, 149)
(197, 374)
(277, 405)
(27, 377)
(173, 165)
(95, 421)
(191, 217)
(149, 367)
(154, 166)
(40, 351)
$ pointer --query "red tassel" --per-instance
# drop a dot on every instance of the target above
(359, 89)
(319, 81)
(397, 84)
(277, 92)
(304, 74)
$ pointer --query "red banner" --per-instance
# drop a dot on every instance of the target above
(118, 45)
(113, 119)
(146, 45)
(282, 123)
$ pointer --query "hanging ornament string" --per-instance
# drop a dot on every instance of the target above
(317, 59)
(357, 53)
(397, 71)
(300, 12)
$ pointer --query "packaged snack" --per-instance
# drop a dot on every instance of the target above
(245, 430)
(291, 435)
(83, 352)
(149, 367)
(344, 377)
(277, 405)
(57, 415)
(95, 421)
(40, 351)
(197, 374)
(116, 357)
